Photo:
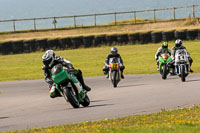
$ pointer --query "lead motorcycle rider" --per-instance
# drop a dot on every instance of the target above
(113, 53)
(50, 60)
(178, 45)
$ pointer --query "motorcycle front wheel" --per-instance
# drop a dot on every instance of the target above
(182, 73)
(71, 97)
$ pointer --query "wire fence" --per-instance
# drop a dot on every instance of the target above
(99, 19)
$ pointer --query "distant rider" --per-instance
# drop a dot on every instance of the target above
(113, 54)
(49, 60)
(178, 45)
(162, 50)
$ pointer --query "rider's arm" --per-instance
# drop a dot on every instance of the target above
(169, 51)
(47, 75)
(65, 62)
(121, 61)
(107, 60)
(157, 53)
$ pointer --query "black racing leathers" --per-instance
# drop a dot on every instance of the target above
(65, 63)
(109, 56)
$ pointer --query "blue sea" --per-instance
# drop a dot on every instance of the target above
(22, 9)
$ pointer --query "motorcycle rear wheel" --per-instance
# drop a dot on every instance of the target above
(86, 101)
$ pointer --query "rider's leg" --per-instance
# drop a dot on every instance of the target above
(79, 76)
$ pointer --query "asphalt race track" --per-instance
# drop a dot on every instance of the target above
(26, 104)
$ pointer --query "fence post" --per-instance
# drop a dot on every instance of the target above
(193, 11)
(174, 13)
(135, 16)
(34, 24)
(115, 17)
(95, 20)
(14, 27)
(154, 15)
(54, 22)
(74, 21)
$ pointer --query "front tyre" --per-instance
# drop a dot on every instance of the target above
(86, 101)
(71, 97)
(115, 78)
(164, 72)
(183, 73)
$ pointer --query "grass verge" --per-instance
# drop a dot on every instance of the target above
(182, 120)
(138, 59)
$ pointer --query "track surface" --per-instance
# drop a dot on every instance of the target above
(26, 104)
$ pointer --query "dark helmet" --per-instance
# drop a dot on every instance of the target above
(164, 45)
(48, 58)
(114, 50)
(178, 43)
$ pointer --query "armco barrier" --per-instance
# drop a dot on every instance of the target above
(168, 36)
(156, 37)
(27, 46)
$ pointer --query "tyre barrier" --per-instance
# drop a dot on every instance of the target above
(53, 44)
(122, 38)
(28, 46)
(76, 42)
(168, 36)
(65, 43)
(111, 39)
(99, 40)
(145, 37)
(41, 45)
(133, 38)
(180, 35)
(88, 41)
(192, 34)
(156, 37)
(6, 48)
(17, 47)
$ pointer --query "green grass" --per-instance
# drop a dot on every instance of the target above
(184, 120)
(138, 59)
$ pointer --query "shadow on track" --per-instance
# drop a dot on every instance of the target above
(130, 85)
(4, 117)
(98, 105)
(195, 80)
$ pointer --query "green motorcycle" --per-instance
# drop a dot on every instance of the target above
(163, 65)
(69, 87)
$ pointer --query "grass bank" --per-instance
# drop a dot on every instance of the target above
(185, 120)
(138, 59)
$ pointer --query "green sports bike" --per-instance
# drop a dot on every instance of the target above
(163, 62)
(69, 87)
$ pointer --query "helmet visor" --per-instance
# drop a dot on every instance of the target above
(47, 62)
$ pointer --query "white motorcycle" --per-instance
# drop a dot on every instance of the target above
(182, 63)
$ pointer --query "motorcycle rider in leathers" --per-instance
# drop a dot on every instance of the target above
(49, 60)
(162, 50)
(178, 45)
(113, 53)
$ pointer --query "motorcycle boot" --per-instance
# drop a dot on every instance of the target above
(122, 75)
(80, 78)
